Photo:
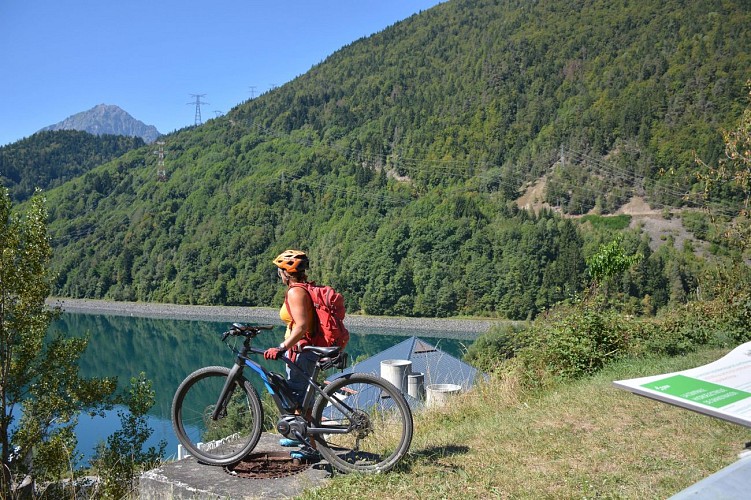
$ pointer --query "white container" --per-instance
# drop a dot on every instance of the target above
(396, 372)
(416, 385)
(439, 394)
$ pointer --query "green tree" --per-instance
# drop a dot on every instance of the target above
(734, 170)
(41, 392)
(609, 263)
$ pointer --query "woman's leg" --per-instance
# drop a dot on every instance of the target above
(297, 381)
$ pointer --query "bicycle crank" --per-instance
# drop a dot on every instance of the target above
(292, 426)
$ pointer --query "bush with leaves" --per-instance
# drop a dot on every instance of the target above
(492, 348)
(608, 263)
(572, 341)
(122, 458)
(728, 287)
(732, 174)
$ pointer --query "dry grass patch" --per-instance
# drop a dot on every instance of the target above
(585, 439)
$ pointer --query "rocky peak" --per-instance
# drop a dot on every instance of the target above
(107, 119)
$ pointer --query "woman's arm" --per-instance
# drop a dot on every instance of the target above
(301, 310)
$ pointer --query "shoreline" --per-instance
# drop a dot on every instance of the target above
(245, 314)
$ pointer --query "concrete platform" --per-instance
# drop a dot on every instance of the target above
(731, 483)
(188, 479)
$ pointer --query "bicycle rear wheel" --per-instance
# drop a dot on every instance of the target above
(230, 437)
(379, 424)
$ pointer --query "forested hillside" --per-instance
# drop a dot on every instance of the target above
(396, 162)
(48, 159)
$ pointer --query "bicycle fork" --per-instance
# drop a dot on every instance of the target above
(220, 409)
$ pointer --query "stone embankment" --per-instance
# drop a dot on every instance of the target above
(246, 314)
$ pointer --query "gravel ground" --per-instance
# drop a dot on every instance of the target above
(241, 314)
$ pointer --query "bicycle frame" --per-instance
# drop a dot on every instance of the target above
(279, 393)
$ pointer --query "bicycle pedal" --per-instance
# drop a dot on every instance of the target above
(308, 455)
(289, 443)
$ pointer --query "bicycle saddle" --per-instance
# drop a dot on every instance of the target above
(322, 351)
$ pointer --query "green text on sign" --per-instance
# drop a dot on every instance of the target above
(698, 391)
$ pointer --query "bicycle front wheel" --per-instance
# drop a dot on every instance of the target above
(378, 424)
(227, 439)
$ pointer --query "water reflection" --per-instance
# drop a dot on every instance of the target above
(167, 350)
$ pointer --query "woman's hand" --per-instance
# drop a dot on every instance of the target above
(274, 352)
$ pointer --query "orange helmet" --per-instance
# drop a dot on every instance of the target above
(292, 261)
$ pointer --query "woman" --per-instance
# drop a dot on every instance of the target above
(297, 312)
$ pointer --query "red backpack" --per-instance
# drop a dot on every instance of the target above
(329, 312)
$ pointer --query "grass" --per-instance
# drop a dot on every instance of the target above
(584, 439)
(612, 222)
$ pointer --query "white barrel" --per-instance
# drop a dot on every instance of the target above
(396, 372)
(439, 394)
(416, 385)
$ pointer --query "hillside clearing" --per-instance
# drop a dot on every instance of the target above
(650, 220)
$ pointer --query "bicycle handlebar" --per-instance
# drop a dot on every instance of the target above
(249, 331)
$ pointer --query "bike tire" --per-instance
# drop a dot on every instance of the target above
(380, 432)
(231, 437)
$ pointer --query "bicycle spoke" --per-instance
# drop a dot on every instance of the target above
(224, 439)
(380, 426)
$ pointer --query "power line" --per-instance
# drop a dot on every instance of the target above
(161, 172)
(721, 208)
(197, 102)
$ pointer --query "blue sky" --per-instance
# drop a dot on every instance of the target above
(58, 58)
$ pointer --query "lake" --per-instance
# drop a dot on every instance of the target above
(167, 350)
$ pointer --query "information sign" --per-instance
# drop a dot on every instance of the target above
(721, 389)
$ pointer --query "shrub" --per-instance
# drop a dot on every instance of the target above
(733, 292)
(120, 460)
(573, 342)
(492, 348)
(697, 223)
(680, 330)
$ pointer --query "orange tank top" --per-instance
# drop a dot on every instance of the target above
(285, 316)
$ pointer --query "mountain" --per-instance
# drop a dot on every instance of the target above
(397, 163)
(107, 119)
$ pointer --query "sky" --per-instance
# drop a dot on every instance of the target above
(152, 57)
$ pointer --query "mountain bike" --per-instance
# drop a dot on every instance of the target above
(359, 422)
